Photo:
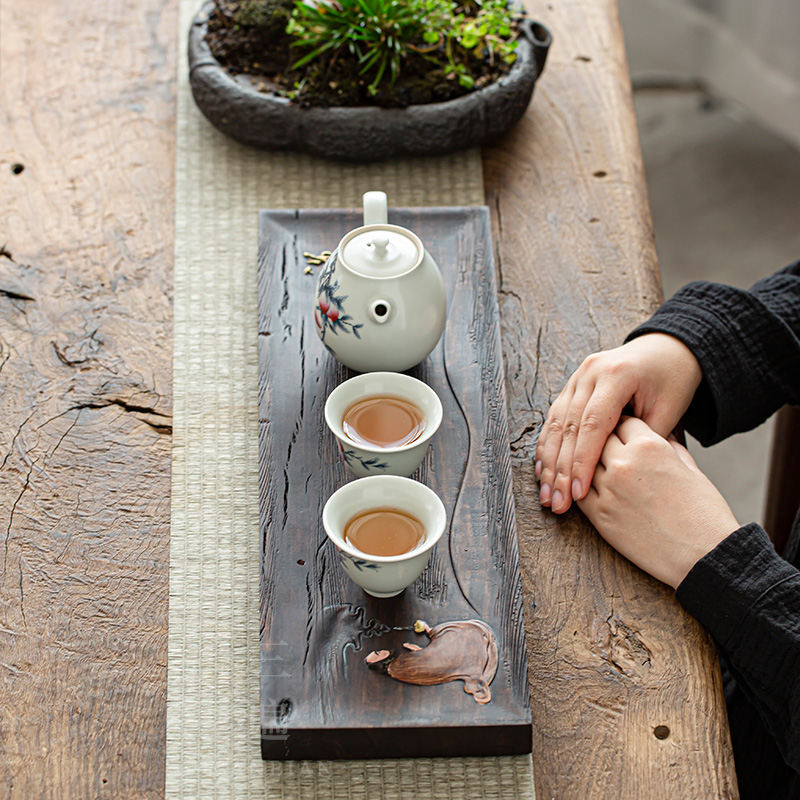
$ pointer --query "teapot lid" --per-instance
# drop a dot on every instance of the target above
(381, 251)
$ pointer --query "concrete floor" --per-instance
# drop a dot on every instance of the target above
(725, 199)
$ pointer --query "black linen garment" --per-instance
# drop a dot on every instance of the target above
(746, 594)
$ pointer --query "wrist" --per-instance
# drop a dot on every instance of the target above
(703, 543)
(679, 356)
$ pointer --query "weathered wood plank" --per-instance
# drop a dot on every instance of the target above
(86, 181)
(612, 655)
(319, 699)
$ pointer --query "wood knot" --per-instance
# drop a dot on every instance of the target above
(661, 732)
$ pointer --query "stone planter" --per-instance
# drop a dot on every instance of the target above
(362, 133)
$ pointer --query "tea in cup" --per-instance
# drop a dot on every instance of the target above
(384, 528)
(384, 422)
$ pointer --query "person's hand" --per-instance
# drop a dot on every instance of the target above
(656, 374)
(650, 502)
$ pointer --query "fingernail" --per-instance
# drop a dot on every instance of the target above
(544, 494)
(558, 500)
(538, 469)
(576, 489)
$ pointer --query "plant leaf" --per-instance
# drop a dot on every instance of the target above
(312, 55)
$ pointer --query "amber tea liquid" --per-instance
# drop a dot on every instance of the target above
(383, 421)
(384, 532)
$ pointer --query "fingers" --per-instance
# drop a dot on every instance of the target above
(573, 421)
(549, 444)
(685, 456)
(630, 428)
(573, 438)
(631, 439)
(628, 439)
(556, 446)
(600, 417)
(656, 373)
(589, 503)
(611, 449)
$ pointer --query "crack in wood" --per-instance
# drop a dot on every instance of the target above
(17, 295)
(89, 342)
(14, 439)
(513, 444)
(538, 358)
(284, 278)
(156, 425)
(11, 516)
(496, 244)
(628, 642)
(22, 597)
(510, 293)
(286, 489)
(309, 617)
(77, 516)
(63, 436)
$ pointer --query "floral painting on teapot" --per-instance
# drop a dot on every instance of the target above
(329, 312)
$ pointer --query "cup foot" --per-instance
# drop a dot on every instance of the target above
(383, 594)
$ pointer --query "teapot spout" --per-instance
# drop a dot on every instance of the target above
(376, 210)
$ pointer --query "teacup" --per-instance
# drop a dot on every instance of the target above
(384, 576)
(365, 459)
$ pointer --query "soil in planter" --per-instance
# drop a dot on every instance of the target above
(267, 53)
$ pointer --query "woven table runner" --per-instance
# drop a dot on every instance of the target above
(213, 736)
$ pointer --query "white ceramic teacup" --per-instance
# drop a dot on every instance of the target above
(365, 459)
(384, 576)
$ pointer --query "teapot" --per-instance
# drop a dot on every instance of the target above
(380, 302)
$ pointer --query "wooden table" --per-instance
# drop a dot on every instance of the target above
(625, 691)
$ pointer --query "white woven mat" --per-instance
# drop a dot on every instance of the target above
(213, 689)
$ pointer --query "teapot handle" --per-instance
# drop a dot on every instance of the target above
(375, 208)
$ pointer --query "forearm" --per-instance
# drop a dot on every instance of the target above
(748, 598)
(747, 344)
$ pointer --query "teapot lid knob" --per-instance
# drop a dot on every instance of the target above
(381, 252)
(380, 243)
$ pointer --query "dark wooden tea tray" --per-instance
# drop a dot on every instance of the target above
(319, 698)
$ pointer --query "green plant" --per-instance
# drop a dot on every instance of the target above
(382, 35)
(375, 32)
(486, 29)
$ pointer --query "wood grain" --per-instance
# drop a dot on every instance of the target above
(86, 180)
(319, 698)
(783, 481)
(87, 118)
(625, 689)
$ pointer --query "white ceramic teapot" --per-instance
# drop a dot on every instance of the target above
(380, 302)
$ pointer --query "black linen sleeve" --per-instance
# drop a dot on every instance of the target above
(748, 347)
(748, 598)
